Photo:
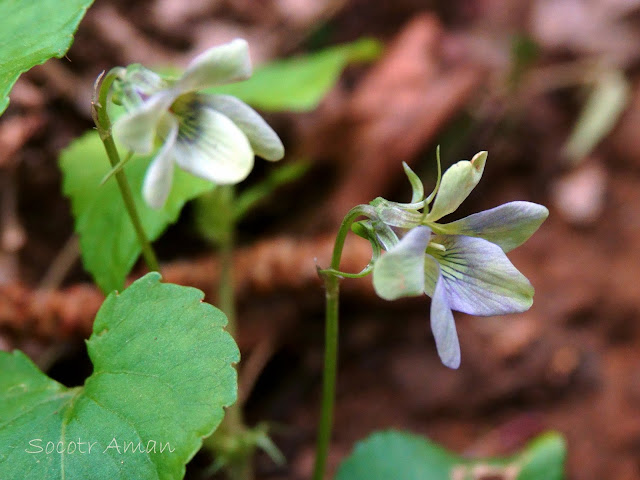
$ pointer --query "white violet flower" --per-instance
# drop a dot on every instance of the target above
(461, 265)
(214, 137)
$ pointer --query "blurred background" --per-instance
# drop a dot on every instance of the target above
(549, 87)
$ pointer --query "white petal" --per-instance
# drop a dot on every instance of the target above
(263, 139)
(508, 225)
(225, 63)
(443, 326)
(210, 146)
(137, 129)
(400, 272)
(159, 176)
(478, 277)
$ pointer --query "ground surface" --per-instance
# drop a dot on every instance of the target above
(448, 76)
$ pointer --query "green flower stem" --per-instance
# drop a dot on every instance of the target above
(233, 426)
(103, 125)
(332, 287)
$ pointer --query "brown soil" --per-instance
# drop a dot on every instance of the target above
(569, 364)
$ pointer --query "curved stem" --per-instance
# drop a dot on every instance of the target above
(332, 285)
(103, 125)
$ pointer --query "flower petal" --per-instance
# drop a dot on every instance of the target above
(509, 225)
(225, 63)
(137, 129)
(263, 139)
(456, 185)
(478, 277)
(400, 272)
(210, 146)
(157, 181)
(442, 323)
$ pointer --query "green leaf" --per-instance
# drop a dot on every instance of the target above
(215, 211)
(213, 214)
(299, 83)
(607, 101)
(108, 241)
(392, 454)
(544, 458)
(33, 32)
(277, 177)
(162, 373)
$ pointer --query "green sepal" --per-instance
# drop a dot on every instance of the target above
(416, 184)
(396, 215)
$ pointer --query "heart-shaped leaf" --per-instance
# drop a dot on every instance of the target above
(299, 83)
(162, 375)
(108, 241)
(32, 33)
(386, 455)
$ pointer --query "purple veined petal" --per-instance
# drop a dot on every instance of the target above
(457, 183)
(212, 147)
(400, 272)
(509, 225)
(264, 141)
(218, 65)
(478, 277)
(137, 129)
(159, 177)
(442, 323)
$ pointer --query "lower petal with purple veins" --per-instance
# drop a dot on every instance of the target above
(478, 277)
(442, 323)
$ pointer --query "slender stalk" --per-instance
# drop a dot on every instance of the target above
(103, 125)
(233, 423)
(332, 295)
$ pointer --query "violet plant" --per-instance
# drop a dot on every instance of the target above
(461, 265)
(163, 359)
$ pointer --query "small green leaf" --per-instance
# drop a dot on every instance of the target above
(277, 177)
(213, 214)
(605, 104)
(524, 52)
(108, 241)
(544, 458)
(215, 210)
(162, 375)
(386, 455)
(32, 33)
(299, 83)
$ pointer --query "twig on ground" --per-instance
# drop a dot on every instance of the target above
(268, 266)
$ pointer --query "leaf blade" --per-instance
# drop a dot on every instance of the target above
(152, 358)
(108, 241)
(37, 31)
